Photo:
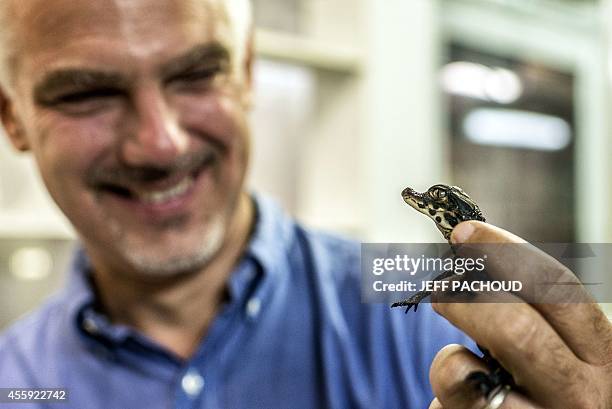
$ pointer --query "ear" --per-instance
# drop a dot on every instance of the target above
(11, 123)
(249, 57)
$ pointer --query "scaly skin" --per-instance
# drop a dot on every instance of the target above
(448, 206)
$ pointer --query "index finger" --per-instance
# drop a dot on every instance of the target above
(582, 325)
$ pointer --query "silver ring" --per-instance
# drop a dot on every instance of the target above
(497, 397)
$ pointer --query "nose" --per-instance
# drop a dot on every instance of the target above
(407, 192)
(154, 137)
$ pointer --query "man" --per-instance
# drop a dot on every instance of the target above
(191, 293)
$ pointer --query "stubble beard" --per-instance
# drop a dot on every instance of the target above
(189, 252)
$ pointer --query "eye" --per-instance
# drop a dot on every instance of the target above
(83, 102)
(437, 194)
(85, 96)
(202, 74)
(196, 75)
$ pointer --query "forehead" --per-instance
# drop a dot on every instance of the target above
(51, 32)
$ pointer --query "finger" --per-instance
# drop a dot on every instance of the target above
(579, 321)
(449, 371)
(510, 258)
(524, 343)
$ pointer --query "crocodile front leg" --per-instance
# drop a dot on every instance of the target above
(418, 297)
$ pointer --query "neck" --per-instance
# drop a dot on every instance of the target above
(177, 312)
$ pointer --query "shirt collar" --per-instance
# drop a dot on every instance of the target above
(268, 246)
(272, 235)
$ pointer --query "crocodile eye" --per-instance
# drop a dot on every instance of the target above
(437, 194)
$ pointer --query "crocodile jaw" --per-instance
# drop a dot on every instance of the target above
(415, 200)
(420, 203)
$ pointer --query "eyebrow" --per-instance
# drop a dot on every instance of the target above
(196, 57)
(75, 79)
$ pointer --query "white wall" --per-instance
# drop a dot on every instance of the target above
(403, 144)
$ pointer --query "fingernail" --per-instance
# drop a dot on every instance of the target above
(462, 233)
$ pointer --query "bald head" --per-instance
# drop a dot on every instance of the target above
(16, 15)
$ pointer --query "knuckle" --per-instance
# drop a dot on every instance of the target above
(587, 393)
(522, 331)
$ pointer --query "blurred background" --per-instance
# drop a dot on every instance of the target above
(357, 99)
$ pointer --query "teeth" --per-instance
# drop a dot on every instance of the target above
(168, 194)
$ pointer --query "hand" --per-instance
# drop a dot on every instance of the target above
(560, 354)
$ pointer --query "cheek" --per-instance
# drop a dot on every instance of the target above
(65, 148)
(221, 118)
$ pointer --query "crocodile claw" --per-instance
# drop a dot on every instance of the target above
(412, 301)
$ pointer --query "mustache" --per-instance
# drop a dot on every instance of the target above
(125, 176)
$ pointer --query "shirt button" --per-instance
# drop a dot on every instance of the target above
(192, 383)
(253, 307)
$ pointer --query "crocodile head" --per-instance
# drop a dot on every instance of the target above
(446, 205)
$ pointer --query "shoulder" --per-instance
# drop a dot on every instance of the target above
(28, 344)
(340, 265)
(336, 266)
(278, 235)
(402, 346)
(332, 254)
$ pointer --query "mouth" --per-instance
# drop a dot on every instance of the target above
(413, 198)
(164, 196)
(152, 195)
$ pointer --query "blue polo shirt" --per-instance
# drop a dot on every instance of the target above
(293, 334)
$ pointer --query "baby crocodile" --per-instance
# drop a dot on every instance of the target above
(448, 206)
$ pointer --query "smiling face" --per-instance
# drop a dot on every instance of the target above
(136, 113)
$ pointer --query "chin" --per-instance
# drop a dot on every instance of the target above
(183, 253)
